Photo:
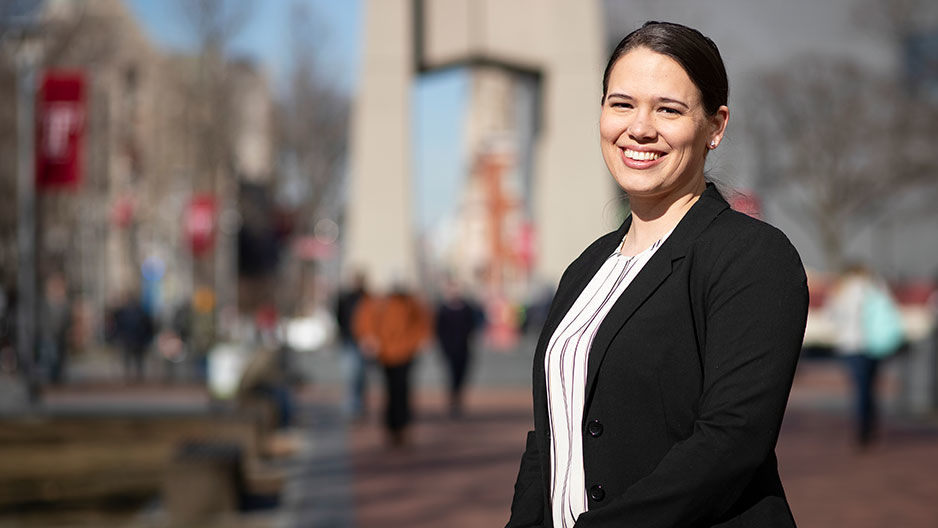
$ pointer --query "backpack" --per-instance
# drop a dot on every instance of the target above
(882, 323)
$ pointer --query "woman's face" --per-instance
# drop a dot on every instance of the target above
(654, 130)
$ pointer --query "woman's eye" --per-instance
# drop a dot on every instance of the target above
(672, 111)
(621, 105)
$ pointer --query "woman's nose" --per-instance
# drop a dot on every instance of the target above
(641, 127)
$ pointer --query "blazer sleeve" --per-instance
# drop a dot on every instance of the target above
(528, 502)
(755, 301)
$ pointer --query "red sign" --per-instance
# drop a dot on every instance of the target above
(200, 223)
(310, 248)
(60, 115)
(122, 212)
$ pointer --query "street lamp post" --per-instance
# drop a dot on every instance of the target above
(20, 35)
(26, 60)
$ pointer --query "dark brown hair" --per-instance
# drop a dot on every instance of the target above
(696, 53)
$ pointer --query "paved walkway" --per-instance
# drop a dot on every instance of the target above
(460, 473)
(452, 473)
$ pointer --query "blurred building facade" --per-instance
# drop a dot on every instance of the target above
(487, 243)
(155, 140)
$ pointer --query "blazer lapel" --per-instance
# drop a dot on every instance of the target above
(566, 296)
(655, 271)
(567, 293)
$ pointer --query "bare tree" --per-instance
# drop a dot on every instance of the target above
(896, 19)
(312, 119)
(846, 144)
(843, 143)
(211, 92)
(312, 130)
(214, 24)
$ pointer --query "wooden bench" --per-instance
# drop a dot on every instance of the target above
(62, 460)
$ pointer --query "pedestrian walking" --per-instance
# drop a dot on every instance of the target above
(868, 328)
(354, 362)
(133, 330)
(457, 319)
(392, 328)
(54, 325)
(664, 366)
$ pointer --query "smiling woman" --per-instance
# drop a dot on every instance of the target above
(664, 366)
(654, 128)
(657, 124)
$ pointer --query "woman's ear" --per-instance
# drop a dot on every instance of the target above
(718, 122)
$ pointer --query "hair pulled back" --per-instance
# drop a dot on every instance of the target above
(696, 53)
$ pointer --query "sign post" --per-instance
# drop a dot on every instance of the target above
(26, 220)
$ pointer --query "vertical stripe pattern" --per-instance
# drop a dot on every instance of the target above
(565, 369)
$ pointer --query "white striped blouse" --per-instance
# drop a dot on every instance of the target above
(565, 369)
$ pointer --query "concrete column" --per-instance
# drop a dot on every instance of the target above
(378, 232)
(573, 191)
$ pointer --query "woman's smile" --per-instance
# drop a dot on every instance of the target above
(654, 131)
(640, 158)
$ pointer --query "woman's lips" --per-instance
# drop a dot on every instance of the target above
(640, 159)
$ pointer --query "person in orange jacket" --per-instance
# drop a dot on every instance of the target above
(392, 329)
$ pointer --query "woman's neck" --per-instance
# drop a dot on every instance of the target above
(653, 218)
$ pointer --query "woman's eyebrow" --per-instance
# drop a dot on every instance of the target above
(617, 95)
(674, 101)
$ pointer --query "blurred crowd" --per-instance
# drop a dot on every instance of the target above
(860, 319)
(389, 330)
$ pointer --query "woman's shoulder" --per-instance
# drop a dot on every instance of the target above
(735, 237)
(732, 226)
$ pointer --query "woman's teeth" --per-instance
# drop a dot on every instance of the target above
(641, 156)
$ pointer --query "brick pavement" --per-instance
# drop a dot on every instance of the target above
(452, 473)
(460, 473)
(831, 484)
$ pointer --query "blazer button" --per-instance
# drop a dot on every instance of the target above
(597, 493)
(595, 428)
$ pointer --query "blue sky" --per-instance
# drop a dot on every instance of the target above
(439, 157)
(265, 37)
(438, 99)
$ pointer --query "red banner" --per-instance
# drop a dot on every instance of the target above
(60, 116)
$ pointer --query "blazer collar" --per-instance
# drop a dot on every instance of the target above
(707, 207)
(656, 270)
(710, 204)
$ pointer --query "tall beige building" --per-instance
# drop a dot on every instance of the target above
(403, 37)
(482, 242)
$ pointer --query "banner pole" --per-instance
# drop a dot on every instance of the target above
(26, 219)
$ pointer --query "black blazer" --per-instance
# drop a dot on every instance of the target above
(687, 381)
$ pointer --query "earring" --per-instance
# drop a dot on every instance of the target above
(713, 144)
